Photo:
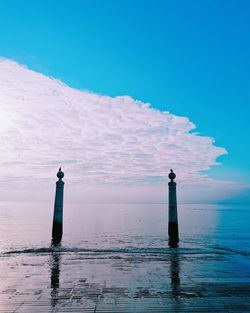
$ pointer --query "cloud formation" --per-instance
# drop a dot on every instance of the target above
(98, 140)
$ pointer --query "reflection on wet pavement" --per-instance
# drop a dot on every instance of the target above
(119, 282)
(55, 277)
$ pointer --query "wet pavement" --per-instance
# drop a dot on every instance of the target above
(169, 280)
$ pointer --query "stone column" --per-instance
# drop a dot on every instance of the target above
(173, 232)
(57, 229)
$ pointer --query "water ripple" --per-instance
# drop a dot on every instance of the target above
(129, 250)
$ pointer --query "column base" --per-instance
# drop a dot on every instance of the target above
(57, 233)
(173, 234)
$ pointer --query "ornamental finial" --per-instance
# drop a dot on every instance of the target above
(60, 174)
(171, 175)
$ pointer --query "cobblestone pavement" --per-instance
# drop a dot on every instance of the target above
(101, 282)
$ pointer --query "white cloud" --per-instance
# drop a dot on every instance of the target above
(100, 141)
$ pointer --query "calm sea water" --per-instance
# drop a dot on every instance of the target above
(124, 226)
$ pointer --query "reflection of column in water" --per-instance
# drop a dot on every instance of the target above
(175, 273)
(54, 277)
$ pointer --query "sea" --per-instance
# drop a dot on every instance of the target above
(116, 258)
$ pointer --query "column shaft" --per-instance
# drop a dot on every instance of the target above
(172, 214)
(57, 229)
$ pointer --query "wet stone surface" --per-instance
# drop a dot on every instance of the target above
(124, 282)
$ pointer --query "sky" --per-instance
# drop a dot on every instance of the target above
(188, 58)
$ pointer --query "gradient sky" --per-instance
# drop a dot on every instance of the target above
(187, 57)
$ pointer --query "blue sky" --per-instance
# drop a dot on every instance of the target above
(187, 57)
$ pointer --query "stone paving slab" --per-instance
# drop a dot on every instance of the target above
(64, 282)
